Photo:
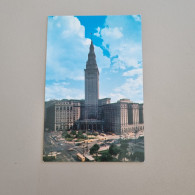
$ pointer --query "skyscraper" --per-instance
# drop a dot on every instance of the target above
(91, 85)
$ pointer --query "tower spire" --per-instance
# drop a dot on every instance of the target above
(91, 62)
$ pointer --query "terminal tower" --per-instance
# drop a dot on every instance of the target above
(91, 85)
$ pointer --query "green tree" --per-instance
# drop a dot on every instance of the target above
(123, 150)
(114, 149)
(94, 149)
(106, 157)
(48, 158)
(80, 132)
(80, 135)
(67, 135)
(73, 132)
(137, 156)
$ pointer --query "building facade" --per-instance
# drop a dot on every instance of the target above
(122, 117)
(62, 115)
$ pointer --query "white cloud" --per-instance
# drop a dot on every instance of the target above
(58, 25)
(112, 33)
(122, 39)
(98, 32)
(133, 72)
(61, 91)
(102, 61)
(73, 27)
(118, 38)
(137, 18)
(133, 88)
(116, 96)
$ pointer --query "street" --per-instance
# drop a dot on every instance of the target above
(67, 150)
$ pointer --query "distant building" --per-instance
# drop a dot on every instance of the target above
(94, 113)
(125, 101)
(122, 117)
(61, 115)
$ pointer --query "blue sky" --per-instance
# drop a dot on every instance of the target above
(118, 48)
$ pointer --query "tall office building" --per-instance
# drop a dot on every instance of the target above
(91, 85)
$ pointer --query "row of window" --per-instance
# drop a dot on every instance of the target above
(63, 108)
(67, 116)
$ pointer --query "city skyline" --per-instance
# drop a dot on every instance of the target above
(118, 52)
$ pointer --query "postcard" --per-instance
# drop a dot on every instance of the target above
(94, 89)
